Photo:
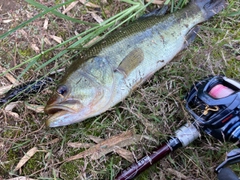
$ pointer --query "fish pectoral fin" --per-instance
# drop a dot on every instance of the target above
(131, 61)
(191, 35)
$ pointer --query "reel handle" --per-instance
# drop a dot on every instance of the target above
(223, 171)
(227, 174)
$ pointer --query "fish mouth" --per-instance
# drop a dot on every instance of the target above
(62, 113)
(71, 106)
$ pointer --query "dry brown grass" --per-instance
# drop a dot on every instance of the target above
(155, 110)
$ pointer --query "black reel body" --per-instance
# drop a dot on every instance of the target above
(218, 116)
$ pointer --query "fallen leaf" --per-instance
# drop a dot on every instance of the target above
(35, 48)
(89, 4)
(178, 174)
(50, 142)
(5, 89)
(97, 17)
(95, 139)
(47, 41)
(45, 25)
(7, 21)
(70, 7)
(47, 155)
(158, 2)
(25, 158)
(79, 145)
(125, 154)
(149, 138)
(93, 41)
(21, 178)
(13, 114)
(76, 33)
(35, 107)
(56, 38)
(107, 146)
(11, 106)
(104, 1)
(9, 76)
(57, 71)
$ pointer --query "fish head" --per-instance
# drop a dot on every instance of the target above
(73, 101)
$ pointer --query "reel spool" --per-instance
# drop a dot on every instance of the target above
(214, 103)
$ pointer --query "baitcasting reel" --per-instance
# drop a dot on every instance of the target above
(215, 105)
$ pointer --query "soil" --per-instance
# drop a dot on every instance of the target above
(7, 8)
(11, 5)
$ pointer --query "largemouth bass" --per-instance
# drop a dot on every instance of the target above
(108, 71)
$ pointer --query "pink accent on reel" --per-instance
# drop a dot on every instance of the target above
(220, 91)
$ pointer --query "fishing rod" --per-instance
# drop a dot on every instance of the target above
(214, 104)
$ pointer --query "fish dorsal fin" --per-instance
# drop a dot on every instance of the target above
(131, 61)
(157, 12)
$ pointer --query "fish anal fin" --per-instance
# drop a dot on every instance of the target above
(131, 61)
(144, 79)
(191, 35)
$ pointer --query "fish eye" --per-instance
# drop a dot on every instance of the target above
(62, 90)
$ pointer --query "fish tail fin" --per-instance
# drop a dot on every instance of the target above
(210, 7)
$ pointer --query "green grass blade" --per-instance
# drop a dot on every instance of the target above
(102, 27)
(234, 13)
(40, 6)
(109, 24)
(30, 64)
(73, 46)
(32, 19)
(47, 51)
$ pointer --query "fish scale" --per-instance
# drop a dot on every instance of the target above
(123, 60)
